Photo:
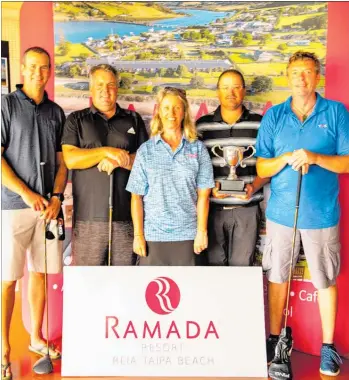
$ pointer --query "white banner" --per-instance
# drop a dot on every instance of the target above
(163, 321)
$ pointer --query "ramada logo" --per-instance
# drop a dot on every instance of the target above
(162, 295)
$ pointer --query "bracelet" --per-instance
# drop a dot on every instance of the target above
(139, 235)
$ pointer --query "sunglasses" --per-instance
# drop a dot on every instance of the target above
(176, 89)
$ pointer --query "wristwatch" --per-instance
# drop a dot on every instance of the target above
(60, 196)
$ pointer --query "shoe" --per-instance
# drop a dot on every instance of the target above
(42, 351)
(271, 344)
(4, 368)
(280, 367)
(330, 361)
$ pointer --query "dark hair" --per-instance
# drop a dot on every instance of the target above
(232, 71)
(39, 50)
(302, 56)
(105, 67)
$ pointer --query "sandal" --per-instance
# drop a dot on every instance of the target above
(42, 351)
(4, 368)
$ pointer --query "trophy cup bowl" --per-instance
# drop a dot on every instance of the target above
(233, 156)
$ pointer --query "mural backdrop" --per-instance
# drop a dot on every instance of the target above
(187, 45)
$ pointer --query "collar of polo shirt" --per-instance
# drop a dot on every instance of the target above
(217, 117)
(94, 110)
(23, 95)
(158, 138)
(320, 104)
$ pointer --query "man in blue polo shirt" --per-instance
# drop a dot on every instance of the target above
(308, 133)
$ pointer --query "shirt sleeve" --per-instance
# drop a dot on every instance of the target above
(343, 132)
(142, 135)
(138, 180)
(204, 179)
(70, 132)
(264, 143)
(5, 122)
(59, 131)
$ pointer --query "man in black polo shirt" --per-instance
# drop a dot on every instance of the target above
(233, 220)
(97, 141)
(31, 128)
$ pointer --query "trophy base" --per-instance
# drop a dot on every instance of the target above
(230, 192)
(232, 185)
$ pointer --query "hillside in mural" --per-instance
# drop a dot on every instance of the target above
(184, 44)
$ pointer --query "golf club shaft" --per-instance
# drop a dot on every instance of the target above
(111, 193)
(45, 291)
(42, 165)
(299, 185)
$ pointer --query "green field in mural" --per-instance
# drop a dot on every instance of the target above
(186, 44)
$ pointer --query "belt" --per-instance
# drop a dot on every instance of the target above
(221, 207)
(217, 206)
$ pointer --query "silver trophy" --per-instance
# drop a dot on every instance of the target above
(233, 156)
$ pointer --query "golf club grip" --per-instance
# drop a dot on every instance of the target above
(299, 185)
(111, 190)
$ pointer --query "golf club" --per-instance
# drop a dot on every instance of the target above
(44, 365)
(111, 193)
(280, 367)
(49, 233)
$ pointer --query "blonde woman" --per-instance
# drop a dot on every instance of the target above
(170, 182)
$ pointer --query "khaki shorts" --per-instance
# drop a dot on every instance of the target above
(321, 249)
(23, 235)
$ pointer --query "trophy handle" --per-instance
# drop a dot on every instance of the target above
(217, 155)
(246, 158)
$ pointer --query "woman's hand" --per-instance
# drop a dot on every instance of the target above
(200, 242)
(139, 245)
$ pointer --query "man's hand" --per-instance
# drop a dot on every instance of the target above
(200, 242)
(215, 192)
(139, 245)
(286, 157)
(35, 201)
(302, 157)
(107, 165)
(52, 210)
(121, 156)
(249, 192)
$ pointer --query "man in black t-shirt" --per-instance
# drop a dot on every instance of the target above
(96, 142)
(233, 220)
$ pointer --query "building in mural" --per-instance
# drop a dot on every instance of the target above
(187, 45)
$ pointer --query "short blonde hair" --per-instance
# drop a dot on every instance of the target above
(302, 56)
(188, 126)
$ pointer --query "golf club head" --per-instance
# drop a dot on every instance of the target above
(49, 234)
(43, 366)
(281, 371)
(280, 367)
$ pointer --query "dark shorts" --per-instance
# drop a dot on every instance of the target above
(172, 253)
(232, 235)
(90, 243)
